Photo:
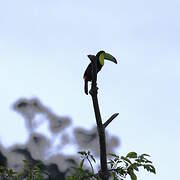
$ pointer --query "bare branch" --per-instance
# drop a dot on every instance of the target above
(110, 120)
(101, 131)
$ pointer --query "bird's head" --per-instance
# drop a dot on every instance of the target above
(102, 55)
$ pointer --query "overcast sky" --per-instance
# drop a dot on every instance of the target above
(43, 48)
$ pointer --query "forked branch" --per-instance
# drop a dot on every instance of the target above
(110, 120)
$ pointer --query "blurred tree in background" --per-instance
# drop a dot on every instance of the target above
(56, 151)
(45, 158)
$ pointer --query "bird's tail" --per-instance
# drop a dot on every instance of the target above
(86, 86)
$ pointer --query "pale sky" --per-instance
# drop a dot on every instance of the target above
(43, 53)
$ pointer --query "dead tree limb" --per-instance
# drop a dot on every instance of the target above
(100, 127)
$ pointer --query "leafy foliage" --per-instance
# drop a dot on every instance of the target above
(7, 174)
(30, 172)
(80, 173)
(119, 166)
(122, 166)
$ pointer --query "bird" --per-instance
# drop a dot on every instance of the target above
(100, 57)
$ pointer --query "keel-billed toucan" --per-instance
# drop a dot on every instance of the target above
(100, 57)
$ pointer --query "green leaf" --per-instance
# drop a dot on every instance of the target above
(138, 160)
(134, 166)
(150, 168)
(92, 157)
(82, 153)
(147, 161)
(145, 155)
(126, 159)
(114, 176)
(81, 163)
(120, 170)
(131, 155)
(114, 155)
(132, 174)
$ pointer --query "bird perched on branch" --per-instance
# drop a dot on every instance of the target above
(99, 58)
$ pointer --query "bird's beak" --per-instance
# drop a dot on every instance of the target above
(109, 57)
